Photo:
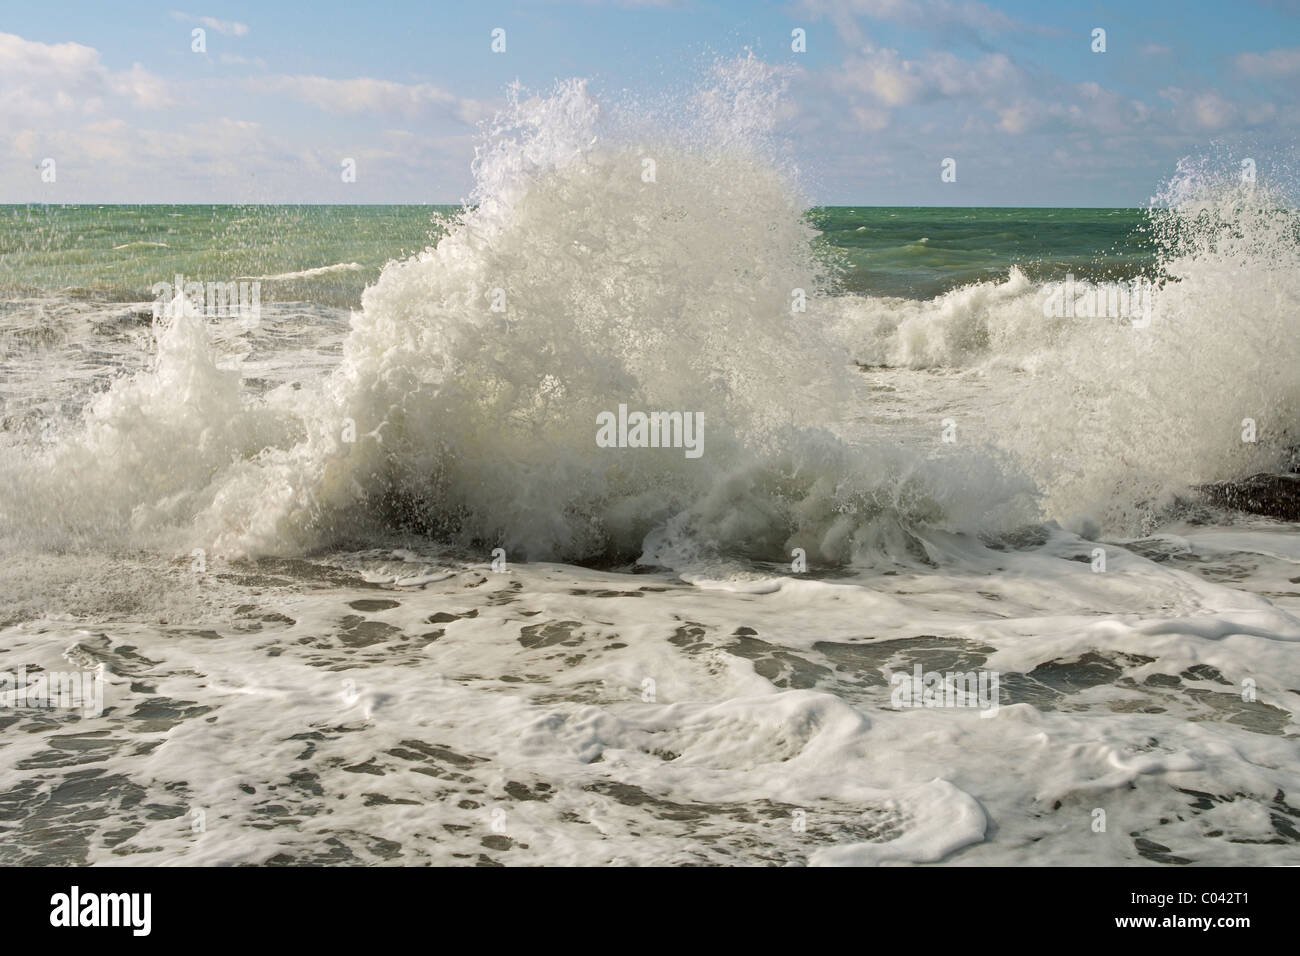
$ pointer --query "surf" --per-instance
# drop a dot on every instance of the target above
(571, 282)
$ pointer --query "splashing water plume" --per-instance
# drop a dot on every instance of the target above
(1123, 419)
(474, 373)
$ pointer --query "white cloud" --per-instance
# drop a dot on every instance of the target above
(1272, 63)
(991, 96)
(970, 17)
(894, 81)
(366, 95)
(60, 100)
(37, 79)
(870, 119)
(1210, 111)
(1014, 120)
(236, 60)
(141, 88)
(228, 28)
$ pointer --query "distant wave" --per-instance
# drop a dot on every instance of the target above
(308, 273)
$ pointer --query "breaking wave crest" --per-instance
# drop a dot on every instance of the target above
(604, 262)
(1116, 414)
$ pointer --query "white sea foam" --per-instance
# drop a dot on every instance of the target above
(554, 714)
(307, 273)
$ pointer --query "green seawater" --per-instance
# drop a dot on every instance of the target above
(117, 253)
(917, 252)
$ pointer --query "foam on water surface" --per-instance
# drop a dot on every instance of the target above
(554, 714)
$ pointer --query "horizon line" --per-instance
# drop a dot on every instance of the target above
(465, 205)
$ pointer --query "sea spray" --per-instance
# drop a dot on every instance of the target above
(1123, 418)
(1118, 414)
(472, 375)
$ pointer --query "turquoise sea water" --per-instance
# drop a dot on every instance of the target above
(923, 252)
(118, 252)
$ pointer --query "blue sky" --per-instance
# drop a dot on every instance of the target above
(884, 92)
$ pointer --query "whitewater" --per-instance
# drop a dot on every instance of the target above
(363, 586)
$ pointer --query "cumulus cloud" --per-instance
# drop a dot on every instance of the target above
(366, 95)
(42, 78)
(894, 81)
(61, 100)
(1210, 111)
(991, 94)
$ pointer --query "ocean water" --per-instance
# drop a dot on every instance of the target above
(358, 585)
